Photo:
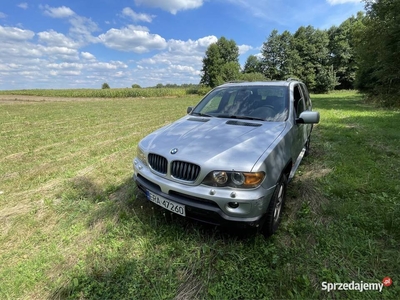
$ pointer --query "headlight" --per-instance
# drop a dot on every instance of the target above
(234, 179)
(220, 177)
(140, 155)
(237, 178)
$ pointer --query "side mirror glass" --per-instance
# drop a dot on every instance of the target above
(189, 109)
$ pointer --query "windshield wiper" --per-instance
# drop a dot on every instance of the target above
(240, 117)
(201, 114)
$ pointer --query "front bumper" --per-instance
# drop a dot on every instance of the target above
(204, 206)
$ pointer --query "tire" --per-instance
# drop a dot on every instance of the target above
(274, 211)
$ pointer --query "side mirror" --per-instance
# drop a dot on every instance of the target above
(308, 117)
(189, 109)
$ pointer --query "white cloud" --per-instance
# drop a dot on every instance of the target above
(9, 67)
(65, 73)
(106, 66)
(58, 12)
(23, 5)
(244, 48)
(17, 52)
(53, 60)
(88, 56)
(60, 53)
(128, 12)
(81, 27)
(207, 41)
(191, 47)
(66, 66)
(53, 38)
(120, 75)
(56, 60)
(172, 6)
(334, 2)
(15, 34)
(180, 63)
(2, 15)
(132, 39)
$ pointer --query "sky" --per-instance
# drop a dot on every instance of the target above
(53, 44)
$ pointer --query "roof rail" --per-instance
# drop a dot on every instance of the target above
(235, 81)
(293, 79)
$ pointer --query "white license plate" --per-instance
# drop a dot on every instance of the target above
(167, 204)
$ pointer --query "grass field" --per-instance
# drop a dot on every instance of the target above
(73, 225)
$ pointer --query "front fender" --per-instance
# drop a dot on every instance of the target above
(275, 160)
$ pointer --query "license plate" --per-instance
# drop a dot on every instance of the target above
(167, 204)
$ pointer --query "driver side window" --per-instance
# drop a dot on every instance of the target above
(299, 104)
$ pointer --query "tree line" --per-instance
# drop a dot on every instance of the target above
(361, 53)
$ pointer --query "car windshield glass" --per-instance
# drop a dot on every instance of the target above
(267, 103)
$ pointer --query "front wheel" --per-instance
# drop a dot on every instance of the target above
(274, 211)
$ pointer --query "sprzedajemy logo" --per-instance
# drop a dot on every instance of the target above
(356, 286)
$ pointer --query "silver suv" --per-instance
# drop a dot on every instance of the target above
(229, 160)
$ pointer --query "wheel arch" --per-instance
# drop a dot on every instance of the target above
(288, 168)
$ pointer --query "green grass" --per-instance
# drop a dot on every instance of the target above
(73, 224)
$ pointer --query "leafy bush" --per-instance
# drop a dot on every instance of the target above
(105, 86)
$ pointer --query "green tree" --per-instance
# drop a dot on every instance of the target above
(221, 63)
(105, 86)
(378, 51)
(255, 76)
(136, 86)
(279, 56)
(252, 65)
(342, 52)
(314, 67)
(272, 56)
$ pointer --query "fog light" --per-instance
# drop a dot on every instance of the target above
(233, 204)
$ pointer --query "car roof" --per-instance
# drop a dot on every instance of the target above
(260, 83)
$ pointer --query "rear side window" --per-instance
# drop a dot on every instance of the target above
(307, 99)
(299, 103)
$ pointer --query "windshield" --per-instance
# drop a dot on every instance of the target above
(268, 103)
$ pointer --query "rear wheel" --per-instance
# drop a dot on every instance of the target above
(274, 211)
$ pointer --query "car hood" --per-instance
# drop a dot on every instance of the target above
(217, 142)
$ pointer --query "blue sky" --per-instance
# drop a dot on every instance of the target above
(81, 44)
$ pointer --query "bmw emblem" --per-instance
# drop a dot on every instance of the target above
(174, 150)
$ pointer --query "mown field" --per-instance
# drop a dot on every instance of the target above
(73, 225)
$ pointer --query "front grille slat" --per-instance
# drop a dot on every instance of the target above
(185, 167)
(158, 163)
(184, 170)
(179, 169)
